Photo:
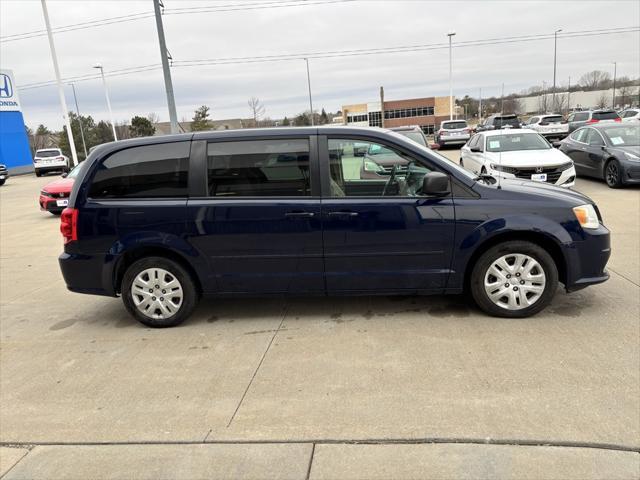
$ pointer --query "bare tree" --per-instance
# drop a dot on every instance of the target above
(543, 103)
(624, 94)
(561, 103)
(257, 109)
(153, 117)
(603, 100)
(594, 80)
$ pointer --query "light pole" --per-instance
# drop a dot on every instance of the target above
(106, 95)
(615, 68)
(555, 50)
(168, 83)
(63, 101)
(309, 85)
(75, 99)
(450, 35)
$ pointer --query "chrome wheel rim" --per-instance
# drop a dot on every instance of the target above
(514, 281)
(157, 293)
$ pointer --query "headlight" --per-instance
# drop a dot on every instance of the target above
(587, 216)
(503, 168)
(370, 166)
(632, 157)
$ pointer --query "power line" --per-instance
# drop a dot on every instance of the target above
(170, 11)
(342, 53)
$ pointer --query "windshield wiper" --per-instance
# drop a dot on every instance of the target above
(485, 176)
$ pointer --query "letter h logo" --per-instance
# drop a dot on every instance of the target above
(6, 89)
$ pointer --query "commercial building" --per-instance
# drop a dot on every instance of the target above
(427, 113)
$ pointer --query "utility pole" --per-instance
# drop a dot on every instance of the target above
(569, 95)
(63, 101)
(502, 100)
(555, 49)
(168, 84)
(106, 96)
(75, 99)
(450, 35)
(615, 68)
(309, 85)
(480, 107)
(382, 107)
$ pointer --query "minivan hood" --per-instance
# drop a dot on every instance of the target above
(529, 158)
(546, 190)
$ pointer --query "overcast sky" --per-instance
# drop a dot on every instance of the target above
(282, 85)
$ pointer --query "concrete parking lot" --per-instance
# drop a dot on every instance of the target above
(370, 387)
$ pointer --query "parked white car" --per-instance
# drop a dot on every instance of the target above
(50, 160)
(631, 115)
(517, 153)
(552, 126)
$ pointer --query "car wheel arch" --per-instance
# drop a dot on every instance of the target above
(134, 254)
(545, 241)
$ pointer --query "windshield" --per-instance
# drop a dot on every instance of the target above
(415, 136)
(516, 142)
(623, 136)
(502, 121)
(454, 125)
(48, 153)
(554, 119)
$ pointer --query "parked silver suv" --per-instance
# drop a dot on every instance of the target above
(453, 132)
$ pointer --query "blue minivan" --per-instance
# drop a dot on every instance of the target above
(163, 221)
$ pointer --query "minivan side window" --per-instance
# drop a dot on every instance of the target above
(259, 168)
(147, 171)
(380, 172)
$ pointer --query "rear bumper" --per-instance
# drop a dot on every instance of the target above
(92, 274)
(587, 259)
(50, 167)
(449, 140)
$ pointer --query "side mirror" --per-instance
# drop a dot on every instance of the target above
(64, 175)
(435, 184)
(556, 144)
(474, 149)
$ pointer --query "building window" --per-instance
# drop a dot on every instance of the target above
(428, 129)
(408, 112)
(357, 118)
(375, 119)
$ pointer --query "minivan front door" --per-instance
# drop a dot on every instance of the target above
(380, 234)
(259, 225)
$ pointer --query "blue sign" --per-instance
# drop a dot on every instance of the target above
(14, 144)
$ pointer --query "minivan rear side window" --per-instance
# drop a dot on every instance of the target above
(259, 168)
(147, 171)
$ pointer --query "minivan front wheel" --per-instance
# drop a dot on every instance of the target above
(158, 292)
(514, 279)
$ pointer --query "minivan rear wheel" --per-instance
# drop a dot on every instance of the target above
(158, 292)
(514, 279)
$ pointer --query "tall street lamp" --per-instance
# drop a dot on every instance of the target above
(555, 50)
(615, 68)
(309, 85)
(106, 95)
(75, 99)
(450, 35)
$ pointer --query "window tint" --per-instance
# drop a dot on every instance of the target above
(553, 119)
(593, 137)
(454, 125)
(581, 117)
(148, 171)
(580, 135)
(48, 153)
(259, 168)
(605, 115)
(381, 172)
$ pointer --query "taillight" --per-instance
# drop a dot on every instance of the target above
(593, 120)
(59, 158)
(618, 119)
(69, 224)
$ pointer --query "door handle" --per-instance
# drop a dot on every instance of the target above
(343, 214)
(299, 214)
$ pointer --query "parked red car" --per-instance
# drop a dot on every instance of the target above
(54, 196)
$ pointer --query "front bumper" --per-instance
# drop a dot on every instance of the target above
(51, 204)
(566, 179)
(587, 259)
(630, 172)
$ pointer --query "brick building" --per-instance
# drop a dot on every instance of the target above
(424, 112)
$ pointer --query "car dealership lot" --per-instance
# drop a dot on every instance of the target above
(290, 383)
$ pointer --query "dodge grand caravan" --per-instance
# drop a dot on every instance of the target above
(163, 221)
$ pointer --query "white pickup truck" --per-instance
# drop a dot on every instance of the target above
(552, 126)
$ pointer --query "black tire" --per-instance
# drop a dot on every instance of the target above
(2, 182)
(190, 294)
(613, 174)
(38, 174)
(461, 163)
(534, 251)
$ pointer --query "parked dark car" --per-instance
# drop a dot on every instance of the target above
(164, 220)
(4, 174)
(499, 121)
(607, 151)
(589, 117)
(413, 132)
